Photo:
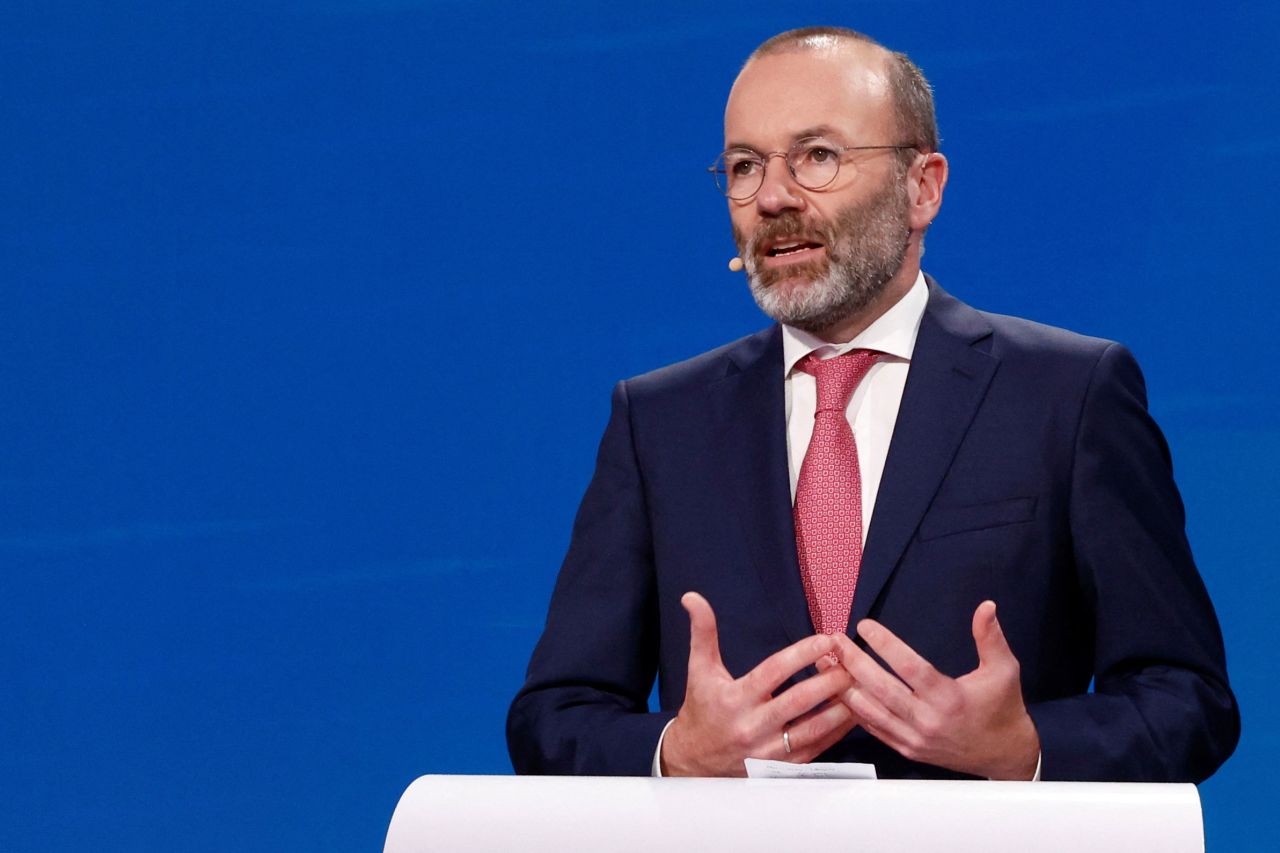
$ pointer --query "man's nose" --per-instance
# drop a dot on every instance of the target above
(778, 191)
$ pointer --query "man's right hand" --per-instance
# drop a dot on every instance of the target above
(724, 720)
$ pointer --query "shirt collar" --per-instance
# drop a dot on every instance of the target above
(893, 332)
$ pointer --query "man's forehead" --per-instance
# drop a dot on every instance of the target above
(844, 85)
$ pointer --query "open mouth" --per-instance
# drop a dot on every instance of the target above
(790, 251)
(782, 250)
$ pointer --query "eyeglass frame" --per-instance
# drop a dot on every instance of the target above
(764, 159)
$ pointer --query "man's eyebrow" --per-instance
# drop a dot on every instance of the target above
(819, 130)
(807, 133)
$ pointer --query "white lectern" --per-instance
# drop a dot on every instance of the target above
(548, 813)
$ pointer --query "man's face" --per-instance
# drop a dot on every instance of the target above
(817, 257)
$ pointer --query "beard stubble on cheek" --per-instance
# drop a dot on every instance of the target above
(865, 247)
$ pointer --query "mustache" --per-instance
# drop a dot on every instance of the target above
(790, 224)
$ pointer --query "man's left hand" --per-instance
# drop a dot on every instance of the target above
(976, 723)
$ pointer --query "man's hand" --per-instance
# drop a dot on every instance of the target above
(724, 720)
(975, 724)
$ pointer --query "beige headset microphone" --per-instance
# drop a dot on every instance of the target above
(736, 265)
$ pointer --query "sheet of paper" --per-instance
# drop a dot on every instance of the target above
(759, 768)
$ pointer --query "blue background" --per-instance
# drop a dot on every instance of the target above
(310, 312)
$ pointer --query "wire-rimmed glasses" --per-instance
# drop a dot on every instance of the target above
(813, 161)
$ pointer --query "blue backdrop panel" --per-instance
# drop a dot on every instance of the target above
(310, 311)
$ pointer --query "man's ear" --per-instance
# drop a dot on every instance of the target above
(925, 184)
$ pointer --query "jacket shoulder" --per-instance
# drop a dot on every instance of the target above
(694, 373)
(1012, 336)
(1034, 355)
(1005, 336)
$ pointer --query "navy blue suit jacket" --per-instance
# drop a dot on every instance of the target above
(1024, 468)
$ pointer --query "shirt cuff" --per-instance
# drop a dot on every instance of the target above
(657, 753)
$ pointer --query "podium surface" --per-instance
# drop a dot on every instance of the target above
(552, 813)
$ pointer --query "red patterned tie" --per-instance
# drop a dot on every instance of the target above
(828, 511)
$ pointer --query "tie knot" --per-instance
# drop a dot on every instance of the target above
(838, 377)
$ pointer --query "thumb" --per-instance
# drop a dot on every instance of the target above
(704, 640)
(989, 637)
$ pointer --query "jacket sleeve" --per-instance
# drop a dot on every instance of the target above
(1161, 709)
(583, 707)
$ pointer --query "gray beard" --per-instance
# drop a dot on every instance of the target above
(866, 245)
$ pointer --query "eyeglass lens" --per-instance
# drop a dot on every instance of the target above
(814, 163)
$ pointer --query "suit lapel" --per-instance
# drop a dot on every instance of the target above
(946, 383)
(748, 411)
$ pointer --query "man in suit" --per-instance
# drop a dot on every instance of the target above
(806, 534)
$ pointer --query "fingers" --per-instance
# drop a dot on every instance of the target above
(917, 672)
(868, 674)
(876, 718)
(844, 646)
(780, 666)
(893, 740)
(704, 640)
(872, 681)
(988, 636)
(885, 706)
(800, 698)
(818, 731)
